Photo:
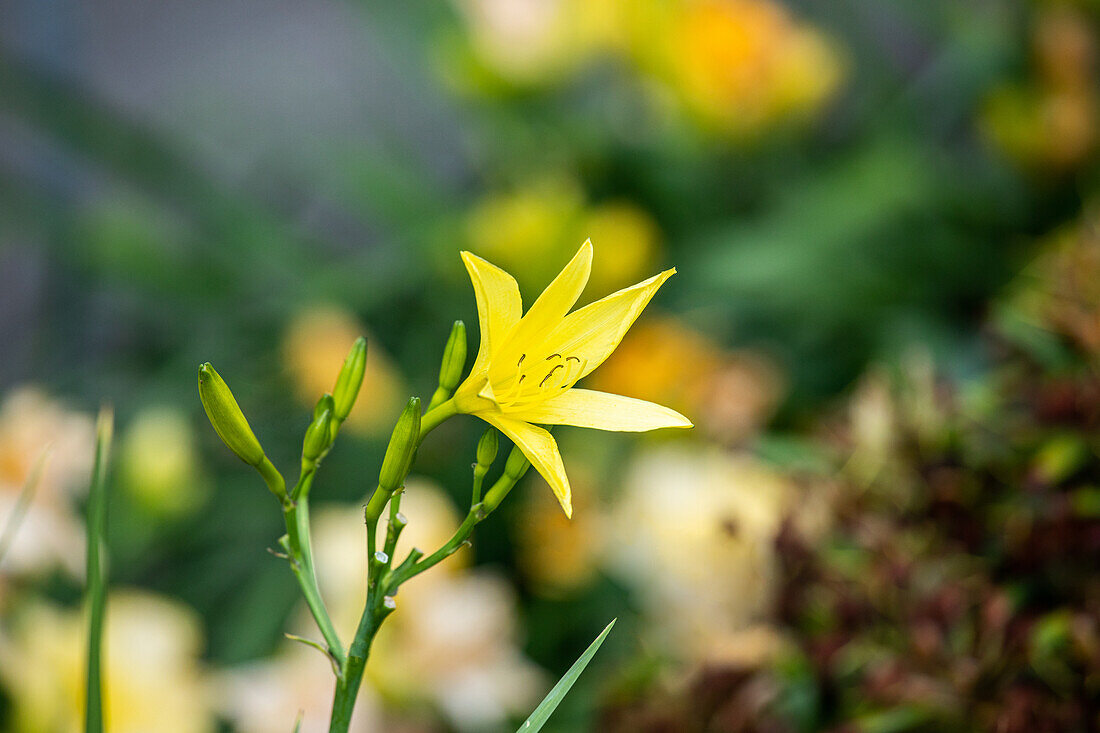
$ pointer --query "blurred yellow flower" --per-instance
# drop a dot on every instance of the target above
(556, 553)
(730, 394)
(314, 347)
(158, 462)
(629, 239)
(524, 230)
(527, 230)
(1051, 120)
(694, 532)
(152, 678)
(526, 368)
(739, 65)
(51, 532)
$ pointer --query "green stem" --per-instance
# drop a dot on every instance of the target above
(301, 563)
(435, 416)
(381, 582)
(347, 686)
(479, 480)
(97, 574)
(274, 480)
(477, 514)
(440, 396)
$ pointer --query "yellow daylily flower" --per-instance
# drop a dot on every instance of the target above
(526, 367)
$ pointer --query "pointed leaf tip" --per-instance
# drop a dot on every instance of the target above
(550, 703)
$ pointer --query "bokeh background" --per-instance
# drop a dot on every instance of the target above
(886, 327)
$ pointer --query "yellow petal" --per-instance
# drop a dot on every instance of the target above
(542, 450)
(548, 311)
(594, 331)
(585, 408)
(498, 305)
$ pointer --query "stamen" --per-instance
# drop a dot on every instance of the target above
(520, 394)
(550, 374)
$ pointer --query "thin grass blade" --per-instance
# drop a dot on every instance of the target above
(96, 592)
(550, 703)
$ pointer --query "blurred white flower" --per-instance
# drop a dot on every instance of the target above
(525, 41)
(694, 532)
(50, 533)
(267, 696)
(151, 677)
(453, 642)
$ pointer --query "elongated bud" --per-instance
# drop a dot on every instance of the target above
(454, 358)
(516, 465)
(318, 437)
(350, 380)
(399, 453)
(226, 416)
(487, 448)
(325, 403)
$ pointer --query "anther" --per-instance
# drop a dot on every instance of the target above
(550, 374)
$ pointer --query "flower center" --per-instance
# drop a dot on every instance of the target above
(538, 379)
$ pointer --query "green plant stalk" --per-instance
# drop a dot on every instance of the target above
(299, 549)
(441, 395)
(97, 573)
(382, 583)
(376, 609)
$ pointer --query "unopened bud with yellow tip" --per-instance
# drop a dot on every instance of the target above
(226, 416)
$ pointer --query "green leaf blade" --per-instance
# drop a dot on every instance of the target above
(550, 703)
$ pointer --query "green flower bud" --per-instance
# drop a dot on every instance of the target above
(350, 380)
(318, 437)
(516, 465)
(454, 358)
(399, 453)
(226, 417)
(487, 448)
(325, 403)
